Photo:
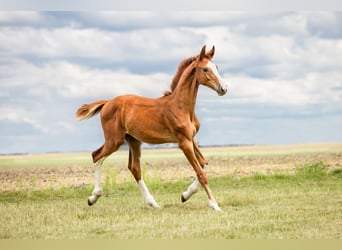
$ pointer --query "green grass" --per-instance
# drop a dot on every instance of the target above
(265, 192)
(306, 205)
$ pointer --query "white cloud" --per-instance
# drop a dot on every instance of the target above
(72, 80)
(19, 115)
(89, 43)
(283, 47)
(57, 42)
(66, 125)
(314, 88)
(52, 62)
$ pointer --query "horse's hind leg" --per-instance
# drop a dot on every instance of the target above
(96, 194)
(134, 167)
(99, 156)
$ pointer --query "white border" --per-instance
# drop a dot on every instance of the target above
(170, 5)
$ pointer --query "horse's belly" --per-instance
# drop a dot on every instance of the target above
(153, 137)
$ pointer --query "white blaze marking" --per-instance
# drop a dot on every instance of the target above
(212, 66)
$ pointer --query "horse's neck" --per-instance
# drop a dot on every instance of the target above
(185, 95)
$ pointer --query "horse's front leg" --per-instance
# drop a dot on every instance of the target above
(194, 187)
(202, 161)
(134, 167)
(188, 149)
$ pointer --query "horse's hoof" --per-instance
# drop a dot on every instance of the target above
(214, 206)
(90, 203)
(156, 206)
(153, 204)
(93, 199)
(183, 199)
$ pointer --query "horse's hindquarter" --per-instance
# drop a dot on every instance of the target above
(143, 118)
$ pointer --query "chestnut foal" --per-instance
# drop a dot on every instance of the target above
(168, 119)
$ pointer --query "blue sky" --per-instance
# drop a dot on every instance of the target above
(283, 70)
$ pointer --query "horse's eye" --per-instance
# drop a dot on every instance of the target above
(205, 70)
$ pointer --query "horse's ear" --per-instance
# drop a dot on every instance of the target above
(211, 53)
(202, 54)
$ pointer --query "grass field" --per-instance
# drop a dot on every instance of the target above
(265, 192)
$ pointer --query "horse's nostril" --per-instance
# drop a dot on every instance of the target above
(222, 90)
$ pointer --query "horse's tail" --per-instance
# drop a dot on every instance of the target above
(87, 111)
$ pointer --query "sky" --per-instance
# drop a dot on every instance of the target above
(283, 70)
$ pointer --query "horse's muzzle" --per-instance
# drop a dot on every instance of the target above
(222, 90)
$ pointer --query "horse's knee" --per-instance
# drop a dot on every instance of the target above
(202, 178)
(203, 162)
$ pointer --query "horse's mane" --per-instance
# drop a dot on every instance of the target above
(181, 67)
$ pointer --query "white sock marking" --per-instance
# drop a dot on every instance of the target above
(147, 195)
(193, 188)
(214, 205)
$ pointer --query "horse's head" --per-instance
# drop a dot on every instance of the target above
(208, 72)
